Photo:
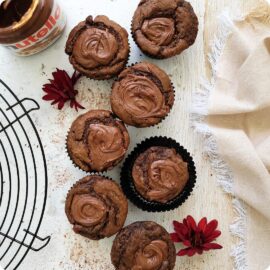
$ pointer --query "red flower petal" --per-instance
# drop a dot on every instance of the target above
(202, 224)
(61, 105)
(175, 238)
(78, 106)
(182, 252)
(191, 223)
(191, 252)
(210, 227)
(181, 230)
(213, 236)
(187, 243)
(212, 246)
(176, 225)
(75, 77)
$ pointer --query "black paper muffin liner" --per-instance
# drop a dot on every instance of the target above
(127, 181)
(161, 119)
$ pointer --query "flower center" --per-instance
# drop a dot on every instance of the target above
(196, 239)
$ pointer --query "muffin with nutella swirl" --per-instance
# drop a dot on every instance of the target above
(97, 141)
(164, 28)
(143, 95)
(143, 246)
(98, 48)
(158, 175)
(96, 207)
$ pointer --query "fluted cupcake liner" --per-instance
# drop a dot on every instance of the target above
(162, 119)
(130, 189)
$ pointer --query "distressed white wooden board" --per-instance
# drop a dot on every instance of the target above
(26, 77)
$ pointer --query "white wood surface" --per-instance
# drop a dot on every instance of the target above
(26, 77)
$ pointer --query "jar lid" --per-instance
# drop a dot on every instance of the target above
(19, 22)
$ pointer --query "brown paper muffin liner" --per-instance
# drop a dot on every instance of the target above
(128, 184)
(161, 119)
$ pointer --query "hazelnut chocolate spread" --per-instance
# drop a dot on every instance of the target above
(160, 174)
(143, 95)
(143, 246)
(97, 207)
(97, 141)
(29, 26)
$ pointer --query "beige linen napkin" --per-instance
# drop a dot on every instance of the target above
(237, 129)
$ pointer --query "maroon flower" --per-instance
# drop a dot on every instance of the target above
(61, 89)
(197, 238)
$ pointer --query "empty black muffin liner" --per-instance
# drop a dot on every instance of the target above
(161, 119)
(128, 184)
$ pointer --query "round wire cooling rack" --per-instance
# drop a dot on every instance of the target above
(23, 180)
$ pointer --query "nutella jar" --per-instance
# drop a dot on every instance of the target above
(30, 26)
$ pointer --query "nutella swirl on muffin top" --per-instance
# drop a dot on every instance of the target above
(151, 256)
(159, 30)
(143, 95)
(96, 207)
(87, 210)
(160, 174)
(105, 144)
(95, 47)
(97, 141)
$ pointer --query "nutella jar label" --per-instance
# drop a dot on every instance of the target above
(44, 37)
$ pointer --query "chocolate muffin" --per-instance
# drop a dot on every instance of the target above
(96, 207)
(97, 141)
(158, 175)
(141, 246)
(143, 95)
(164, 28)
(98, 48)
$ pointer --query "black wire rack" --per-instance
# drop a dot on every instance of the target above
(23, 180)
